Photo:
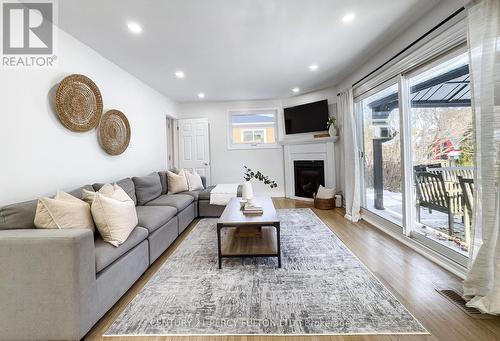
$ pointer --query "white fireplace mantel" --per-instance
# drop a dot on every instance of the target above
(318, 149)
(308, 140)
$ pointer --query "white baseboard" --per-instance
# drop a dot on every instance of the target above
(301, 198)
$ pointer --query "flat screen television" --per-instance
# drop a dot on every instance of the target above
(306, 118)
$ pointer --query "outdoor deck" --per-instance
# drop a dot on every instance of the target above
(434, 225)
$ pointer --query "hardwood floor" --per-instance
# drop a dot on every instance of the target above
(408, 275)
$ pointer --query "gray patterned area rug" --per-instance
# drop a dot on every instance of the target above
(322, 288)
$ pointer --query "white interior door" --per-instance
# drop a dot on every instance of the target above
(194, 146)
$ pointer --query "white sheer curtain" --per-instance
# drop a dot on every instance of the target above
(482, 285)
(351, 160)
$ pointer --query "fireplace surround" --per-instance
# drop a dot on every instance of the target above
(310, 150)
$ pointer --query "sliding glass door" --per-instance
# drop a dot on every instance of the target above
(442, 151)
(418, 153)
(382, 154)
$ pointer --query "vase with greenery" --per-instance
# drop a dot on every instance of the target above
(250, 174)
(331, 124)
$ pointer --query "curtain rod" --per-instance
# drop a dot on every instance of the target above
(411, 45)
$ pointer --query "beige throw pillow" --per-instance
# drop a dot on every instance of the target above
(177, 182)
(64, 211)
(193, 180)
(108, 190)
(114, 213)
(114, 219)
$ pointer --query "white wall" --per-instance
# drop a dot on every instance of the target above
(227, 165)
(40, 156)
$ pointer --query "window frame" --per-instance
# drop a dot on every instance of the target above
(411, 230)
(252, 145)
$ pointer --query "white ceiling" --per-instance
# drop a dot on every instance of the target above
(238, 49)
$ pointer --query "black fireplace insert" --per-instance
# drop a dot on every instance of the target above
(308, 176)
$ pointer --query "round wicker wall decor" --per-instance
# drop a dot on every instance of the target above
(114, 132)
(78, 103)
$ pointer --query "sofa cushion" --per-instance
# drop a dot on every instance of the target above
(195, 194)
(78, 193)
(127, 184)
(205, 193)
(164, 182)
(18, 216)
(179, 201)
(105, 253)
(22, 215)
(147, 188)
(154, 217)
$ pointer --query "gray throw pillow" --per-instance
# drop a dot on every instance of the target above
(147, 188)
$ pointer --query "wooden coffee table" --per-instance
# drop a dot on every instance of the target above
(265, 242)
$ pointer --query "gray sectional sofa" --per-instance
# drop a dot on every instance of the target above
(56, 284)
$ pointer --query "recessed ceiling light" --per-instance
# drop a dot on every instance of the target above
(179, 74)
(295, 90)
(313, 67)
(348, 17)
(134, 27)
(201, 95)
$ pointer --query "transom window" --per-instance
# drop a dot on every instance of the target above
(254, 128)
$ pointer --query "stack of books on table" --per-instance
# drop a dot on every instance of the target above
(254, 208)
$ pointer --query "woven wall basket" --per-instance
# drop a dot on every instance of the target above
(78, 103)
(114, 132)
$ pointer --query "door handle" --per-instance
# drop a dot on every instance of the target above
(205, 163)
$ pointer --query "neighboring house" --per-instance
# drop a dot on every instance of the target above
(253, 129)
(444, 150)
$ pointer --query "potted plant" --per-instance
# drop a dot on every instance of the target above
(249, 174)
(332, 129)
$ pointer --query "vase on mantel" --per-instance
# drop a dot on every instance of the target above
(332, 131)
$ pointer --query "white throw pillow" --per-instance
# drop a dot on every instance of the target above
(193, 180)
(64, 211)
(114, 213)
(325, 193)
(177, 182)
